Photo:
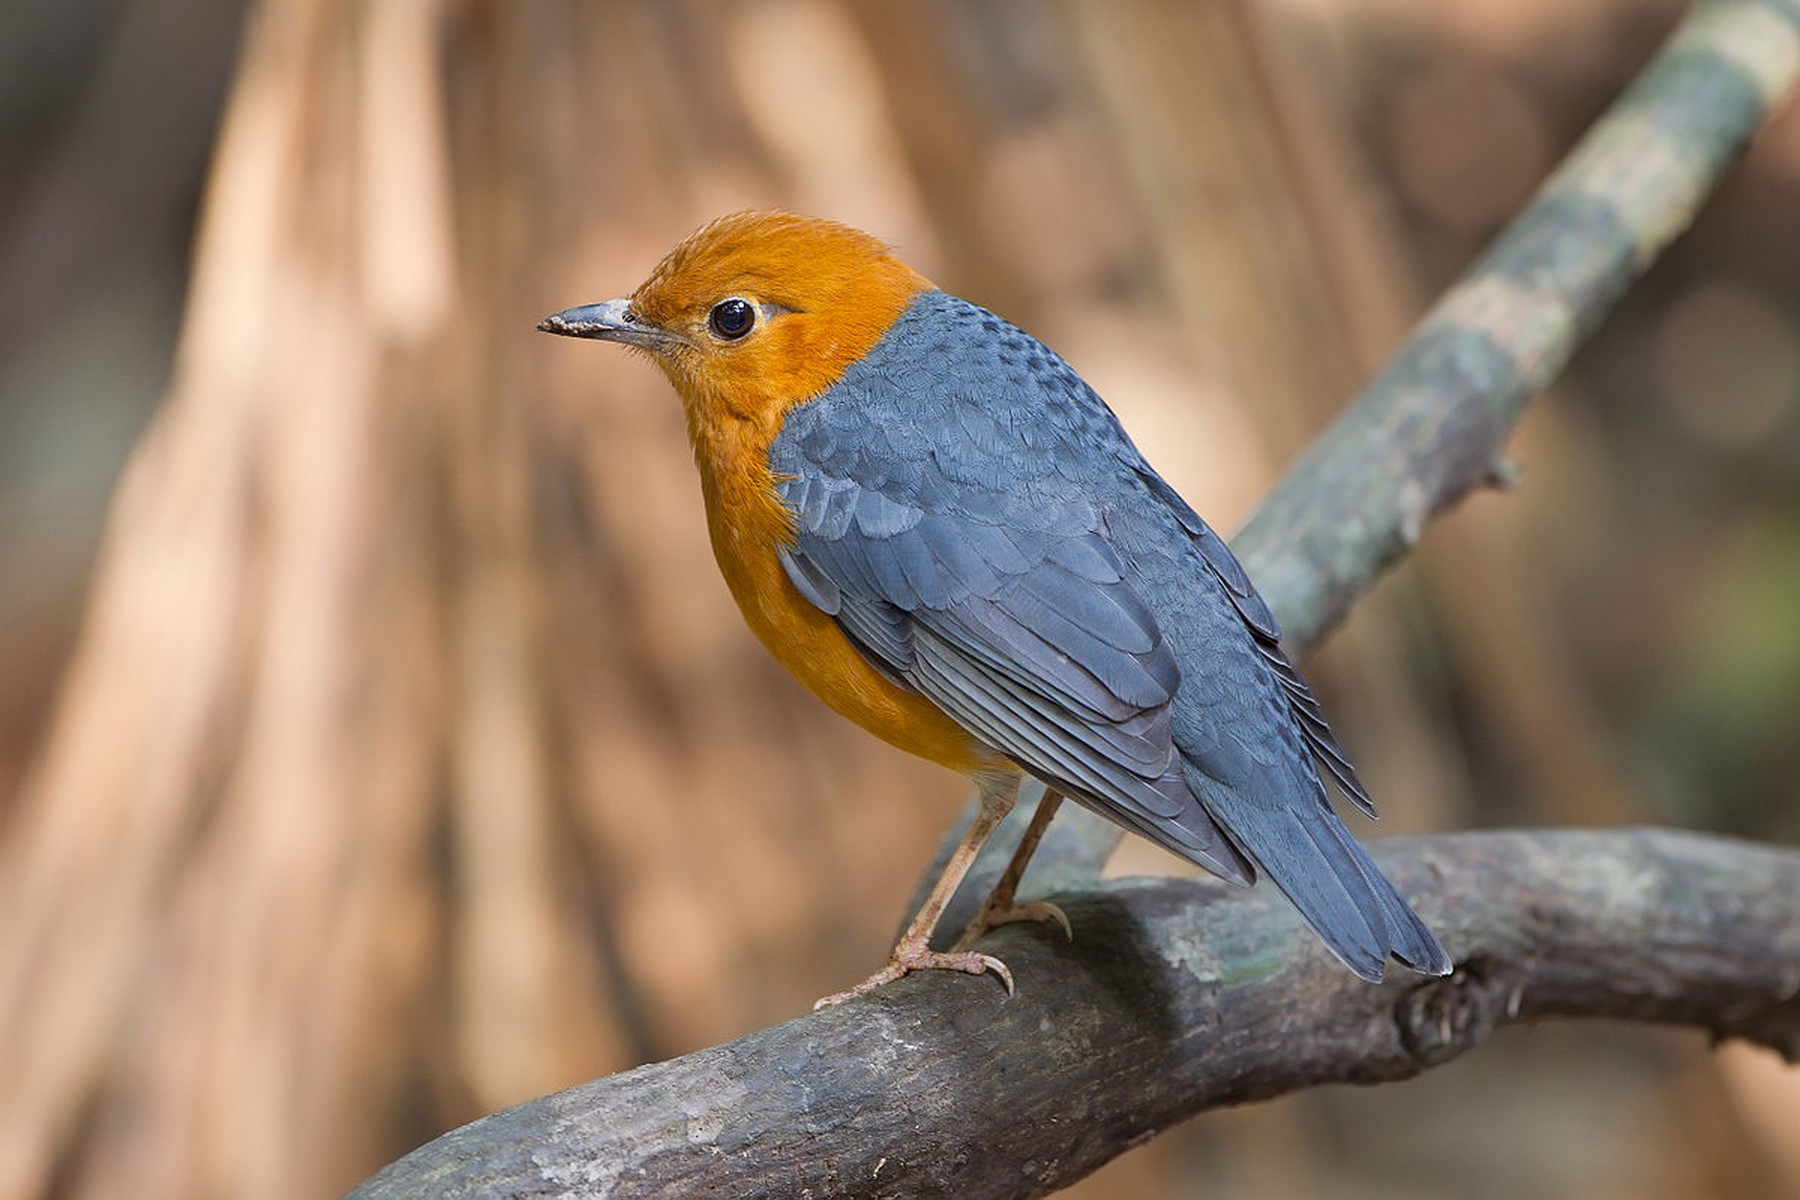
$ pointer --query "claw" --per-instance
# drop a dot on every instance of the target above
(908, 959)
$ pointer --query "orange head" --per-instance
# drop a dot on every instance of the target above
(756, 312)
(750, 316)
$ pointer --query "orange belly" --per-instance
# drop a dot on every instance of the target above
(747, 528)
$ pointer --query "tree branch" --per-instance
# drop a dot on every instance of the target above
(1177, 995)
(1431, 427)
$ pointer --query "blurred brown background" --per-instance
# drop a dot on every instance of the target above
(378, 746)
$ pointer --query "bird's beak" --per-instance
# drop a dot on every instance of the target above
(611, 321)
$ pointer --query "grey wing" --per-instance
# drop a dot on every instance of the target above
(1026, 633)
(1255, 742)
(1250, 606)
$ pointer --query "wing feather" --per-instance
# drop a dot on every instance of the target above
(1250, 605)
(1027, 634)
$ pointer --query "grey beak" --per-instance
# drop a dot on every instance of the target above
(610, 321)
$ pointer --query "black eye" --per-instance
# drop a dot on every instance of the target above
(732, 319)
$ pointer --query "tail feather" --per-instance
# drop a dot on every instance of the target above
(1312, 858)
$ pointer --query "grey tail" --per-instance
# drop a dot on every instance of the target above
(1349, 903)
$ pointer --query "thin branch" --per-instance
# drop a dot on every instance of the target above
(1178, 995)
(1431, 427)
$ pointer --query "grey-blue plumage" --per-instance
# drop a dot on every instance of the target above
(977, 522)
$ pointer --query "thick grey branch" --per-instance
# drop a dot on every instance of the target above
(1177, 995)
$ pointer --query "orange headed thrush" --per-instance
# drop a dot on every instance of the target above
(930, 520)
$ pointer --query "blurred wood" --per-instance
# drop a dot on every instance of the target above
(220, 871)
(1177, 995)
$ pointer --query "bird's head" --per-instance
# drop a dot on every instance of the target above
(756, 312)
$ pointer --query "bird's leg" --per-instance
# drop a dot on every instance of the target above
(1000, 907)
(914, 952)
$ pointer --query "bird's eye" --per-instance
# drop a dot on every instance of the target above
(731, 319)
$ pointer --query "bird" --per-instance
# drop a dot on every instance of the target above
(946, 535)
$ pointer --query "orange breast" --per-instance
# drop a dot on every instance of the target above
(748, 525)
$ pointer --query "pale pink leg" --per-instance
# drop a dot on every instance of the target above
(914, 952)
(999, 908)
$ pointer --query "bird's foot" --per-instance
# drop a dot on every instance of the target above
(993, 915)
(917, 957)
